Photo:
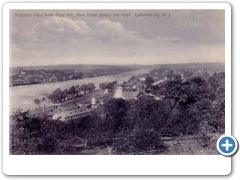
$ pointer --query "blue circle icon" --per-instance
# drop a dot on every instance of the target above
(227, 145)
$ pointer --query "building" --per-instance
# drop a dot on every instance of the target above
(49, 111)
(142, 78)
(71, 111)
(106, 91)
(93, 102)
(160, 81)
(53, 78)
(159, 97)
(21, 72)
(128, 95)
(133, 86)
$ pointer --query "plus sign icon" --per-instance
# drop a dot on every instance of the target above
(227, 145)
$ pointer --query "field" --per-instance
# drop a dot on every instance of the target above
(190, 145)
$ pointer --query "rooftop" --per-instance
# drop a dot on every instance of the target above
(68, 107)
(130, 93)
(133, 83)
(73, 112)
(158, 82)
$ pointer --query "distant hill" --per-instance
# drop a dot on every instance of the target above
(206, 66)
(79, 67)
(89, 68)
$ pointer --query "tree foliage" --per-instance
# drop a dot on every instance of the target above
(195, 106)
(149, 80)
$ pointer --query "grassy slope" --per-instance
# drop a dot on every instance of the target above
(192, 146)
(176, 146)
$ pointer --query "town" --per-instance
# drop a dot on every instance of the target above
(116, 82)
(79, 101)
(32, 76)
(150, 113)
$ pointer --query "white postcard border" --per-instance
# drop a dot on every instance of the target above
(122, 164)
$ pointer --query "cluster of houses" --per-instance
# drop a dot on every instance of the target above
(136, 87)
(75, 108)
(42, 76)
(70, 110)
(130, 90)
(161, 75)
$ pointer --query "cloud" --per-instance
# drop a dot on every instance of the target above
(57, 29)
(108, 31)
(109, 24)
(191, 37)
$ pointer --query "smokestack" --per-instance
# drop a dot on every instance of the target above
(44, 109)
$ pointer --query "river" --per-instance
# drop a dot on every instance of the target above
(22, 96)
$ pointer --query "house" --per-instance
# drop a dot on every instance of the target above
(72, 114)
(21, 72)
(137, 86)
(159, 82)
(67, 107)
(133, 85)
(70, 76)
(93, 102)
(106, 91)
(71, 111)
(159, 97)
(131, 95)
(101, 101)
(142, 78)
(80, 93)
(53, 78)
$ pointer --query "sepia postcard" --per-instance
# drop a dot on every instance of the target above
(118, 81)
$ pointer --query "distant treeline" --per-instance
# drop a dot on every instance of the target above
(77, 68)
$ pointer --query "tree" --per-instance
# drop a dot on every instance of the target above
(44, 99)
(149, 80)
(149, 140)
(102, 85)
(31, 135)
(84, 88)
(170, 74)
(86, 129)
(110, 85)
(91, 87)
(217, 120)
(115, 110)
(56, 96)
(37, 102)
(72, 90)
(65, 93)
(177, 77)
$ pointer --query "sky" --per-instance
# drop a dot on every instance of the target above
(57, 37)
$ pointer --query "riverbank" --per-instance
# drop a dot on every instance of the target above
(23, 96)
(49, 82)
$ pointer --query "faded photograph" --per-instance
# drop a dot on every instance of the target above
(116, 82)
